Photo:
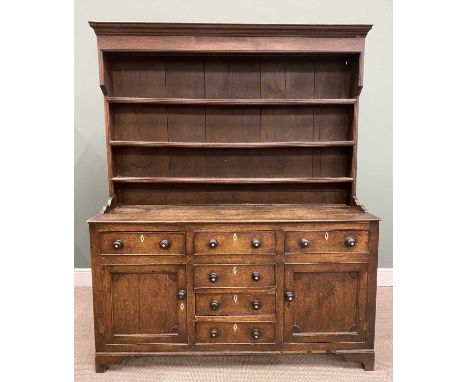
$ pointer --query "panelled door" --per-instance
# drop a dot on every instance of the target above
(145, 303)
(325, 303)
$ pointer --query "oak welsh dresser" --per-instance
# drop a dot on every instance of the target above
(232, 225)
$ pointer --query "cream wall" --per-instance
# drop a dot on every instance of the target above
(375, 135)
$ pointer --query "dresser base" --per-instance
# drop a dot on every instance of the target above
(365, 357)
(233, 298)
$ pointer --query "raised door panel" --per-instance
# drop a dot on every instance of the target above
(329, 303)
(144, 304)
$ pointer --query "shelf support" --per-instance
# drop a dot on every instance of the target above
(356, 203)
(110, 205)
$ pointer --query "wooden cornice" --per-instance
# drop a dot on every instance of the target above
(189, 29)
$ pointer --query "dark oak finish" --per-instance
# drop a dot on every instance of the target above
(232, 225)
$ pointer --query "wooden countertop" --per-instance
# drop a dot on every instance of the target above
(253, 213)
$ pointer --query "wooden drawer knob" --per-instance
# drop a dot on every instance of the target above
(350, 242)
(214, 304)
(256, 304)
(213, 277)
(164, 244)
(118, 244)
(181, 294)
(214, 333)
(256, 334)
(304, 243)
(213, 243)
(255, 276)
(289, 296)
(256, 243)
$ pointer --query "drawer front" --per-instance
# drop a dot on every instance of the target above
(326, 241)
(141, 243)
(244, 242)
(232, 275)
(239, 304)
(235, 332)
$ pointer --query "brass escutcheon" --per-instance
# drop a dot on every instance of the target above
(234, 237)
(235, 298)
(142, 238)
(182, 307)
(234, 270)
(326, 236)
(235, 327)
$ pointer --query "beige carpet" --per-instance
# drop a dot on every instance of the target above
(266, 368)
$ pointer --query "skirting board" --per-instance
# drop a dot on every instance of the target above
(384, 277)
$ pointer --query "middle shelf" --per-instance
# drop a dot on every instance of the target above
(235, 180)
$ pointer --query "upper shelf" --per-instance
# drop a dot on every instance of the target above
(233, 101)
(221, 145)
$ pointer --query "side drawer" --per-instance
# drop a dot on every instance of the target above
(235, 332)
(239, 304)
(244, 242)
(233, 275)
(326, 241)
(142, 243)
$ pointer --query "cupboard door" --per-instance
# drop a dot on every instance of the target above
(146, 304)
(325, 302)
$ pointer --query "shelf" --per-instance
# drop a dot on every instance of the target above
(234, 101)
(122, 179)
(215, 145)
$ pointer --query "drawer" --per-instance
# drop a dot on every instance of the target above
(235, 332)
(141, 243)
(232, 275)
(234, 304)
(326, 241)
(244, 242)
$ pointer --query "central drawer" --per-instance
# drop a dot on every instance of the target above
(234, 275)
(235, 332)
(243, 242)
(228, 303)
